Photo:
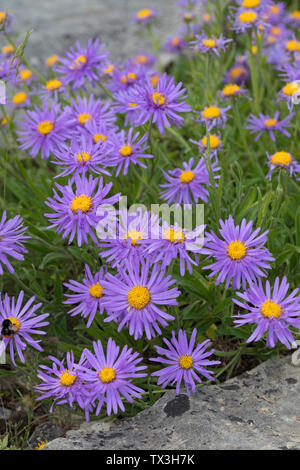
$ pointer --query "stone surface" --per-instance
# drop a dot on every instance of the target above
(258, 410)
(45, 432)
(59, 23)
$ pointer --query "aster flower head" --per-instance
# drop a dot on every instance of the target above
(12, 237)
(88, 294)
(144, 59)
(52, 89)
(8, 68)
(272, 310)
(5, 22)
(42, 130)
(215, 144)
(146, 16)
(185, 362)
(263, 123)
(239, 73)
(61, 382)
(127, 77)
(126, 103)
(246, 19)
(289, 92)
(19, 99)
(283, 160)
(275, 13)
(52, 60)
(212, 44)
(173, 242)
(213, 116)
(175, 44)
(82, 63)
(188, 185)
(240, 255)
(232, 90)
(25, 76)
(84, 111)
(127, 244)
(135, 297)
(75, 208)
(81, 155)
(127, 149)
(18, 322)
(162, 103)
(109, 376)
(294, 18)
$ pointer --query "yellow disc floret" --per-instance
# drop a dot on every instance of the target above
(270, 309)
(84, 118)
(186, 361)
(53, 84)
(187, 176)
(45, 127)
(19, 98)
(25, 74)
(83, 157)
(82, 203)
(158, 98)
(231, 89)
(174, 236)
(15, 322)
(52, 60)
(138, 297)
(251, 3)
(107, 375)
(134, 236)
(126, 150)
(293, 46)
(98, 137)
(236, 250)
(281, 158)
(290, 89)
(96, 291)
(8, 49)
(211, 112)
(209, 43)
(67, 378)
(248, 16)
(270, 122)
(145, 13)
(214, 141)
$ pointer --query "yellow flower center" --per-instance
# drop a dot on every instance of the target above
(276, 31)
(79, 62)
(211, 112)
(82, 203)
(209, 43)
(9, 49)
(25, 74)
(126, 150)
(175, 41)
(96, 290)
(15, 322)
(270, 309)
(187, 176)
(281, 158)
(251, 3)
(231, 89)
(98, 137)
(254, 49)
(290, 89)
(295, 15)
(174, 236)
(20, 97)
(132, 105)
(124, 79)
(248, 17)
(158, 98)
(214, 141)
(84, 118)
(154, 80)
(270, 122)
(186, 361)
(134, 235)
(53, 84)
(107, 375)
(83, 157)
(109, 69)
(67, 378)
(138, 297)
(293, 46)
(52, 60)
(41, 445)
(236, 72)
(2, 16)
(140, 59)
(236, 249)
(145, 13)
(45, 127)
(274, 9)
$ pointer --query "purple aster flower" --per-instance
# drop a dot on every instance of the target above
(213, 116)
(52, 89)
(283, 160)
(185, 362)
(294, 18)
(173, 242)
(246, 19)
(239, 255)
(146, 16)
(187, 186)
(83, 111)
(126, 103)
(268, 124)
(5, 22)
(128, 77)
(215, 144)
(290, 72)
(75, 210)
(271, 310)
(88, 295)
(276, 13)
(24, 76)
(289, 92)
(232, 90)
(109, 376)
(187, 3)
(42, 130)
(82, 154)
(175, 44)
(128, 149)
(19, 99)
(144, 59)
(135, 296)
(8, 68)
(11, 241)
(18, 323)
(62, 383)
(161, 103)
(82, 63)
(238, 74)
(204, 43)
(127, 245)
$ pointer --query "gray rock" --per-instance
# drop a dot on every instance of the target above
(45, 432)
(257, 410)
(59, 23)
(5, 414)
